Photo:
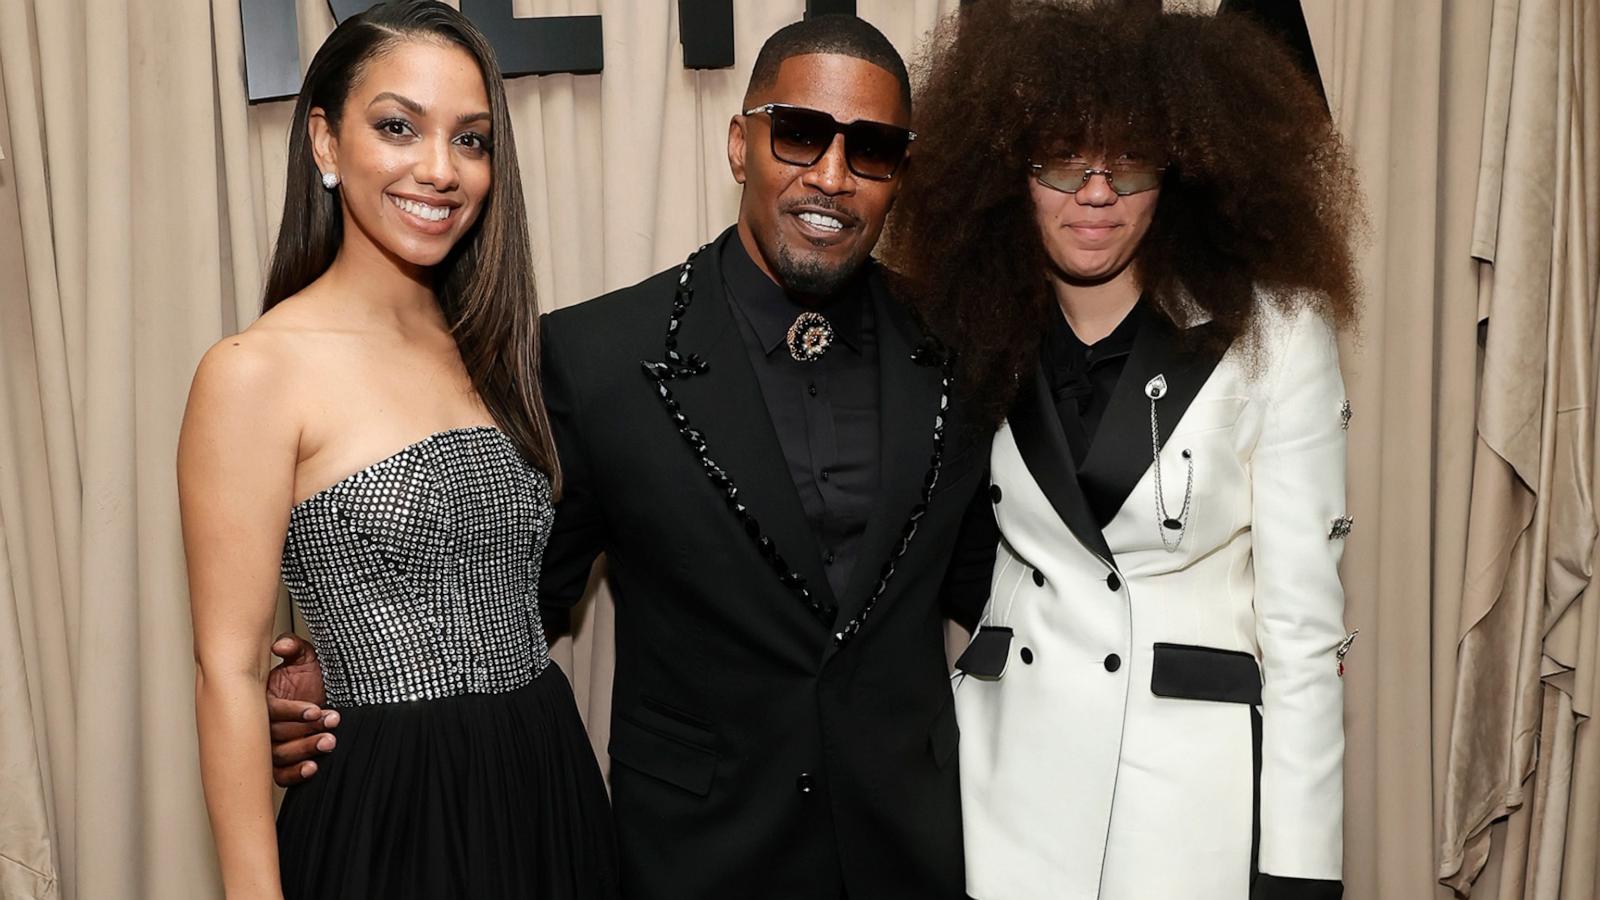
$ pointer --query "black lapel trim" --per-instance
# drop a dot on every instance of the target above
(1044, 449)
(1120, 452)
(726, 402)
(721, 389)
(678, 367)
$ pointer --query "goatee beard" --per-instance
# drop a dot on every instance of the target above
(811, 277)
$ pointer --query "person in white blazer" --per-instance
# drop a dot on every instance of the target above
(1137, 230)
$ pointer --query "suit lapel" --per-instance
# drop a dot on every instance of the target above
(908, 402)
(726, 406)
(1037, 430)
(1120, 452)
(711, 391)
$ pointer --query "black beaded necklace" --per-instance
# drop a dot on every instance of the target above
(676, 366)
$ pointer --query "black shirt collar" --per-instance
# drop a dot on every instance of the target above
(770, 311)
(1064, 348)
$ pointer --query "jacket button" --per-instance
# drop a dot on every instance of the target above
(1027, 656)
(805, 784)
(1113, 663)
(1113, 582)
(1038, 578)
(994, 493)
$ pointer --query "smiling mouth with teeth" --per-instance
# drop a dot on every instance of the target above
(421, 210)
(819, 220)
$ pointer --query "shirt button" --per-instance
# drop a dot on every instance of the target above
(1038, 578)
(994, 493)
(805, 784)
(1113, 582)
(811, 389)
(1113, 663)
(829, 558)
(824, 474)
(1027, 656)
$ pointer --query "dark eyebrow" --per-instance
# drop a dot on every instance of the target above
(417, 109)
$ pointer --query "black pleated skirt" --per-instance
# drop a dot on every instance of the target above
(486, 796)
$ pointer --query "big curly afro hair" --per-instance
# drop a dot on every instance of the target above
(1259, 203)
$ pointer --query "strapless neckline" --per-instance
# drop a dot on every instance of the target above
(395, 456)
(418, 575)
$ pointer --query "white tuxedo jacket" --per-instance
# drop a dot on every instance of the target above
(1166, 724)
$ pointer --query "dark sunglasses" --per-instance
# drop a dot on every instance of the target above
(801, 136)
(1125, 176)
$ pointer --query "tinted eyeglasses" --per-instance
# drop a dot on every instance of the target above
(800, 137)
(1125, 176)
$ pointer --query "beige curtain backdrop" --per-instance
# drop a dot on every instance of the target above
(139, 193)
(1405, 81)
(1529, 633)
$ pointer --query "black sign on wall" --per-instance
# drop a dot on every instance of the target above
(824, 7)
(705, 27)
(542, 45)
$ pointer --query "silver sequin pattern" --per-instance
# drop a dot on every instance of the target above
(418, 575)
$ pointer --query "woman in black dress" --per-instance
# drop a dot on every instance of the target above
(377, 437)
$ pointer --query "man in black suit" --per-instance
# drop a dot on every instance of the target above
(762, 442)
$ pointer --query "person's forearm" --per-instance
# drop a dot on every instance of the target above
(236, 769)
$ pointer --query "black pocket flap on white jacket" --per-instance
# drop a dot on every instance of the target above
(1205, 673)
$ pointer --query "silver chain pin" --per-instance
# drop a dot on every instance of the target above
(1155, 389)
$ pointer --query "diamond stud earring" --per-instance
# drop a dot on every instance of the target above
(330, 180)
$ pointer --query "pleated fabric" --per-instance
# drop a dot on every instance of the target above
(482, 796)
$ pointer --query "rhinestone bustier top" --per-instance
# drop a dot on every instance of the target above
(418, 575)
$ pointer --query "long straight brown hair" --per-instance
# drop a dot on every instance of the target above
(485, 284)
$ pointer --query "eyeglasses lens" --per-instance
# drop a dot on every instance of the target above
(872, 150)
(800, 137)
(1125, 176)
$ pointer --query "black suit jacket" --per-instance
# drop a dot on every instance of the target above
(753, 756)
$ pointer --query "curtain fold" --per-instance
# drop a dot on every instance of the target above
(38, 503)
(28, 858)
(1406, 86)
(1526, 655)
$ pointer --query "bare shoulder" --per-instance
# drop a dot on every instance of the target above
(250, 367)
(251, 385)
(266, 360)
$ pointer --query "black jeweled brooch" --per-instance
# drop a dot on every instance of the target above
(809, 337)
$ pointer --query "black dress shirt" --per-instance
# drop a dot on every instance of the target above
(1083, 376)
(825, 411)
